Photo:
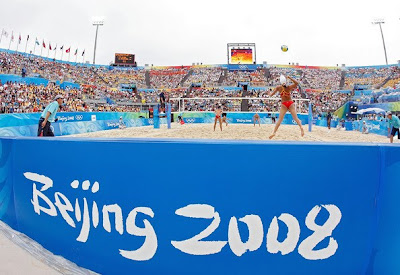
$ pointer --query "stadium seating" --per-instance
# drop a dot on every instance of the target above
(100, 86)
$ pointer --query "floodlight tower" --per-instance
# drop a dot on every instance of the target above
(380, 22)
(96, 21)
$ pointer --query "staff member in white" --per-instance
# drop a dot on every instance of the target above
(48, 116)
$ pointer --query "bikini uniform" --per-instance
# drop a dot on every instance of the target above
(286, 103)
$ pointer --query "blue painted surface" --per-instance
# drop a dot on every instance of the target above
(242, 67)
(323, 122)
(36, 81)
(366, 233)
(385, 251)
(27, 80)
(70, 85)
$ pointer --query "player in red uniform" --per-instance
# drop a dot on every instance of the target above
(218, 113)
(287, 103)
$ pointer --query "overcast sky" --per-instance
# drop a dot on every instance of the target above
(179, 32)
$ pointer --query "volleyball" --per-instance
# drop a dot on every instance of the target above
(284, 48)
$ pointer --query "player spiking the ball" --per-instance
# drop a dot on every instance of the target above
(287, 103)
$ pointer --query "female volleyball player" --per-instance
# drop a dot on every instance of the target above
(218, 113)
(287, 103)
(256, 118)
(224, 118)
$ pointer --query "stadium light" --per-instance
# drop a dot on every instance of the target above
(380, 22)
(96, 21)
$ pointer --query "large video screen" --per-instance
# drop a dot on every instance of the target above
(124, 59)
(241, 56)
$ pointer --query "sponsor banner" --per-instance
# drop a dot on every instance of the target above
(119, 217)
(266, 118)
(74, 128)
(88, 116)
(193, 120)
(374, 127)
(8, 120)
(242, 67)
(324, 123)
(242, 120)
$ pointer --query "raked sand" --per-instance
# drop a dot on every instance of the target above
(240, 132)
(21, 255)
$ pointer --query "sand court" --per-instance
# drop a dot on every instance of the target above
(240, 132)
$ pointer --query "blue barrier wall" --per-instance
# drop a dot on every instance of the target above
(92, 203)
(70, 123)
(373, 126)
(84, 122)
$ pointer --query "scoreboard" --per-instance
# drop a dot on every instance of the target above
(124, 59)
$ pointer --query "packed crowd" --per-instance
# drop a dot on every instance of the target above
(208, 77)
(255, 78)
(115, 77)
(100, 86)
(318, 79)
(368, 75)
(394, 82)
(51, 70)
(327, 101)
(168, 78)
(21, 98)
(323, 79)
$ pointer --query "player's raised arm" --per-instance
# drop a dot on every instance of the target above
(295, 83)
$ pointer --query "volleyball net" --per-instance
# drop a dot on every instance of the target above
(236, 104)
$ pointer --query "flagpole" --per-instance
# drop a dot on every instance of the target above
(34, 48)
(62, 52)
(55, 51)
(17, 45)
(9, 45)
(26, 44)
(48, 49)
(1, 36)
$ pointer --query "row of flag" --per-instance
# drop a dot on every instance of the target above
(67, 50)
(61, 48)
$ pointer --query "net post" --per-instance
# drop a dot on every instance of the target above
(156, 117)
(168, 112)
(310, 117)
